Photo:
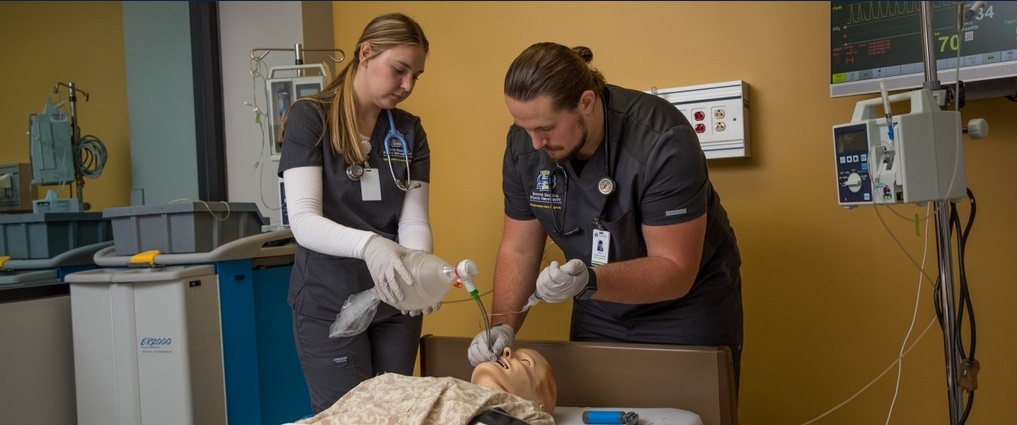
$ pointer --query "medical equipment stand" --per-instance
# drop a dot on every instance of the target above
(281, 91)
(79, 179)
(922, 164)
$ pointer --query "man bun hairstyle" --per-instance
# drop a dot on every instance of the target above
(554, 70)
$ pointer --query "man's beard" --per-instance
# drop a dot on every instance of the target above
(575, 149)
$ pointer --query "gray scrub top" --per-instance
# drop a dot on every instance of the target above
(320, 283)
(661, 178)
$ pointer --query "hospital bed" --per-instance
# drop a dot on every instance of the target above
(624, 376)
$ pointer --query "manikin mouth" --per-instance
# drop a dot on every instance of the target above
(502, 364)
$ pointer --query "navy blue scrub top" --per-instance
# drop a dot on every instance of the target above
(321, 283)
(660, 173)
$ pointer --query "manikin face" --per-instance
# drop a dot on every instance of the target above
(561, 134)
(518, 372)
(387, 78)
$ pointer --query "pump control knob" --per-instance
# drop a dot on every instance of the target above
(854, 182)
(977, 128)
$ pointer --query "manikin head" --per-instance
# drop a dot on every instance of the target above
(523, 372)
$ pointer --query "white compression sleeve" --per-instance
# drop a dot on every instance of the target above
(414, 222)
(311, 229)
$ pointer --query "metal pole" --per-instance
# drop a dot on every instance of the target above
(948, 320)
(947, 308)
(75, 136)
(928, 47)
(298, 52)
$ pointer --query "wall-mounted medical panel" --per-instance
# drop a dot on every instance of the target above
(719, 113)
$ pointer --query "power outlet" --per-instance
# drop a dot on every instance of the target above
(719, 113)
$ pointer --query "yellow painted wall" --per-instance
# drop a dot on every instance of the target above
(81, 42)
(828, 293)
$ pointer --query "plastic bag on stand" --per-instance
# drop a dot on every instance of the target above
(356, 315)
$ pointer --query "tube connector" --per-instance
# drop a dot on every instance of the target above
(466, 270)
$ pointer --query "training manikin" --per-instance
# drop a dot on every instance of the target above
(520, 382)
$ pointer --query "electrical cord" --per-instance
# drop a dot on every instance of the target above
(964, 292)
(92, 155)
(965, 306)
(226, 204)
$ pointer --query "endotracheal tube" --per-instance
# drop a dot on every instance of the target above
(465, 271)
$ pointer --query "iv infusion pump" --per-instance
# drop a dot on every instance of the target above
(284, 90)
(921, 162)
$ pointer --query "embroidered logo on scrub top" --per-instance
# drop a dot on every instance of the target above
(543, 195)
(396, 152)
(341, 361)
(544, 181)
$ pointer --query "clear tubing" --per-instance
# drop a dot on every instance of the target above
(487, 321)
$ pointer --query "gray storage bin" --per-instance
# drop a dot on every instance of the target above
(182, 228)
(45, 235)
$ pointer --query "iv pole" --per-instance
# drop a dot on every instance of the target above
(75, 138)
(950, 337)
(298, 53)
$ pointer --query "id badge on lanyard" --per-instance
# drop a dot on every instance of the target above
(370, 185)
(601, 247)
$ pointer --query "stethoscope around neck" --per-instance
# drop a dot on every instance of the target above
(356, 171)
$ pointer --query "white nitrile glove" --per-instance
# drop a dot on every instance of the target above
(558, 284)
(482, 350)
(425, 311)
(384, 260)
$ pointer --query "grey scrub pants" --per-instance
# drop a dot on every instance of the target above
(333, 366)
